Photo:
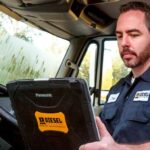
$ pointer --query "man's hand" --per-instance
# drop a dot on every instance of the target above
(106, 142)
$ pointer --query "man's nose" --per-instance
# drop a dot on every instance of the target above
(125, 41)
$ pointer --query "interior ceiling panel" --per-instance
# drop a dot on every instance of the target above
(40, 1)
(69, 17)
(45, 12)
(114, 7)
(75, 28)
(53, 29)
(12, 3)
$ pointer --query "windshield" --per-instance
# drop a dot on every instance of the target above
(27, 52)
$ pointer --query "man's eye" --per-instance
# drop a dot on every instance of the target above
(119, 36)
(134, 35)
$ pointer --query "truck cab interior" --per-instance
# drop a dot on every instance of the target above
(83, 45)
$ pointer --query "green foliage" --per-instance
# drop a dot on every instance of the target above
(84, 68)
(23, 35)
(107, 79)
(119, 70)
(27, 52)
(110, 76)
(14, 63)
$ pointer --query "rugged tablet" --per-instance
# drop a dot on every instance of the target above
(54, 114)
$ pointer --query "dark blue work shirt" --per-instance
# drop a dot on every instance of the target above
(126, 112)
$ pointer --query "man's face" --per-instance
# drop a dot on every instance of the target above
(133, 38)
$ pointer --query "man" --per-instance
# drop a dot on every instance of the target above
(126, 114)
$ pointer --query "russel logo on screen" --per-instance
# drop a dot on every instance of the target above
(43, 95)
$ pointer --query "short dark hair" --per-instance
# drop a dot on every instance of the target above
(137, 5)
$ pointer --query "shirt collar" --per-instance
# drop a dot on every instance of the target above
(128, 78)
(145, 76)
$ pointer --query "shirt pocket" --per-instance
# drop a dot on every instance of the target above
(109, 112)
(139, 113)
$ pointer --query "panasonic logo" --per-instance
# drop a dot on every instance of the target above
(43, 95)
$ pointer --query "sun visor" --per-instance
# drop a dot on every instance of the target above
(96, 18)
(41, 2)
(92, 2)
(45, 10)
